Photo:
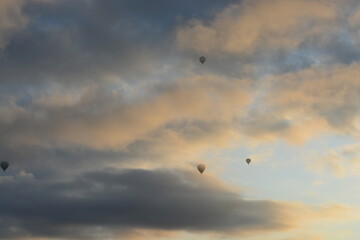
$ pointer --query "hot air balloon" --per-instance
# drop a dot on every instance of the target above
(248, 160)
(4, 165)
(202, 59)
(201, 167)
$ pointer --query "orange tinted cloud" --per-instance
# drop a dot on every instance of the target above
(100, 121)
(253, 24)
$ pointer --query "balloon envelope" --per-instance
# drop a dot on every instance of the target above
(202, 59)
(248, 160)
(201, 167)
(4, 165)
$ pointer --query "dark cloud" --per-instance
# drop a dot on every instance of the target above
(159, 199)
(78, 41)
(82, 41)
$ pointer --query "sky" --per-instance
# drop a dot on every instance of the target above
(106, 111)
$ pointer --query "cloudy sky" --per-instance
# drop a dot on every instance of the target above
(105, 112)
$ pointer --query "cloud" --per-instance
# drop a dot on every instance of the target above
(329, 94)
(173, 123)
(90, 85)
(65, 43)
(132, 199)
(250, 36)
(12, 20)
(90, 41)
(306, 236)
(57, 133)
(342, 161)
(300, 105)
(96, 117)
(100, 119)
(306, 103)
(246, 26)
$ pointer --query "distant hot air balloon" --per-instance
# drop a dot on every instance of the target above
(202, 59)
(201, 167)
(4, 165)
(248, 160)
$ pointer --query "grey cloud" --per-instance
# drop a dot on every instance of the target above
(82, 41)
(261, 124)
(158, 199)
(11, 20)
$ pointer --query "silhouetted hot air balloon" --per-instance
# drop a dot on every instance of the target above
(202, 59)
(248, 160)
(201, 167)
(4, 165)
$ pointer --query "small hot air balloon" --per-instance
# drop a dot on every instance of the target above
(202, 59)
(4, 165)
(201, 167)
(248, 160)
